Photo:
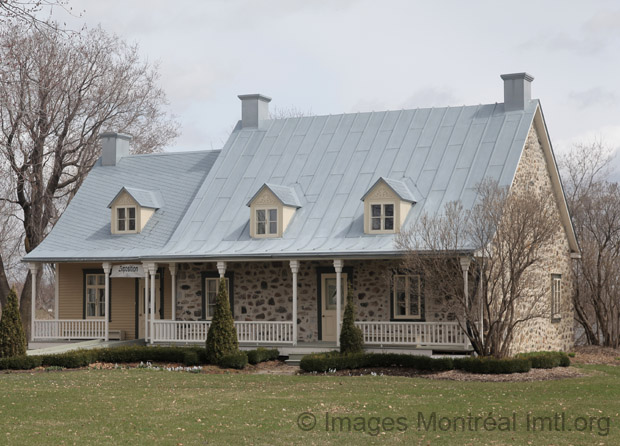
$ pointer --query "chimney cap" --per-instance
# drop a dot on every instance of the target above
(526, 76)
(258, 96)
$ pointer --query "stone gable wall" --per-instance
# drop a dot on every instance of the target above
(543, 333)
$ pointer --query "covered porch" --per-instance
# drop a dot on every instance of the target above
(284, 304)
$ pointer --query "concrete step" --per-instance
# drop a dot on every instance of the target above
(294, 359)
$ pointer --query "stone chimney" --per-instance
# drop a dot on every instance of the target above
(517, 90)
(254, 110)
(114, 146)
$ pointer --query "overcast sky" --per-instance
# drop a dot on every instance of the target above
(335, 56)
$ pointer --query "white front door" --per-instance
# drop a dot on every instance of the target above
(328, 305)
(141, 315)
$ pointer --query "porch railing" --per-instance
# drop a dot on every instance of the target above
(413, 333)
(69, 329)
(257, 332)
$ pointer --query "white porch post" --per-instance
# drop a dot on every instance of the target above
(294, 270)
(106, 271)
(221, 268)
(153, 303)
(173, 272)
(34, 268)
(56, 291)
(145, 267)
(338, 267)
(465, 262)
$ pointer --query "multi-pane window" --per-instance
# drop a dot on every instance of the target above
(407, 297)
(126, 219)
(95, 295)
(556, 296)
(212, 285)
(266, 221)
(382, 217)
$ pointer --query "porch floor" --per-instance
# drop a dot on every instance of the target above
(50, 348)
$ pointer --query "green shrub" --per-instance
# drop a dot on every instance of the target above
(191, 358)
(491, 365)
(12, 336)
(70, 360)
(20, 362)
(222, 335)
(546, 360)
(571, 355)
(236, 360)
(262, 354)
(351, 338)
(323, 362)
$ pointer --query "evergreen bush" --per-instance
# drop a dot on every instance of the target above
(222, 335)
(12, 336)
(235, 360)
(351, 338)
(262, 354)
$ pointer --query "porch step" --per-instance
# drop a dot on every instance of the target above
(294, 359)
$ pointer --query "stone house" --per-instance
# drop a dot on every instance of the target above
(288, 212)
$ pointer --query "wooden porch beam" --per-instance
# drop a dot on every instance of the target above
(338, 264)
(294, 270)
(34, 268)
(106, 271)
(173, 297)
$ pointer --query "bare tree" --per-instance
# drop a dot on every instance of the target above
(57, 93)
(595, 208)
(506, 236)
(30, 11)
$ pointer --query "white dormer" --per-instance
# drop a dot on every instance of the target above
(386, 205)
(271, 210)
(132, 208)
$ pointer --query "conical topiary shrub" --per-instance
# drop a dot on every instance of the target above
(12, 336)
(222, 335)
(351, 338)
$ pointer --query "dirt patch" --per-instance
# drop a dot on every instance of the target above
(458, 375)
(593, 354)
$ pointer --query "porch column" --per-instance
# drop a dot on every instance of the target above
(34, 268)
(173, 272)
(56, 291)
(221, 268)
(338, 267)
(145, 267)
(294, 270)
(106, 271)
(465, 262)
(153, 303)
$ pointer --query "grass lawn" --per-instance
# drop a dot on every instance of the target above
(140, 406)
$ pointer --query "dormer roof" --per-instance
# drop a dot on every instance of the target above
(285, 194)
(398, 187)
(145, 198)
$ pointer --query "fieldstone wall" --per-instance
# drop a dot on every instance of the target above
(545, 333)
(263, 292)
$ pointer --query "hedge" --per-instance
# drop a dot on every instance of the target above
(262, 354)
(237, 360)
(546, 360)
(323, 362)
(20, 363)
(492, 365)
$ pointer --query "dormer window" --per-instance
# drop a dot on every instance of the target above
(382, 217)
(267, 221)
(126, 219)
(271, 210)
(132, 208)
(386, 205)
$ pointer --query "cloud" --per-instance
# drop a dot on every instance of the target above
(586, 45)
(595, 96)
(431, 97)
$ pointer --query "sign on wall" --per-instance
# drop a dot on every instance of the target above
(130, 270)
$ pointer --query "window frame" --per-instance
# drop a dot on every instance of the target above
(117, 219)
(206, 314)
(394, 216)
(393, 291)
(268, 221)
(99, 298)
(229, 276)
(556, 297)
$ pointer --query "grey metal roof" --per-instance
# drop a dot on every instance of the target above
(285, 194)
(440, 154)
(83, 231)
(399, 188)
(145, 198)
(328, 162)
